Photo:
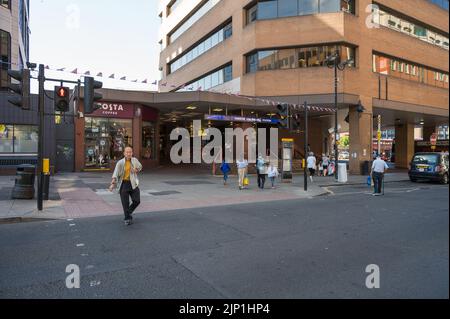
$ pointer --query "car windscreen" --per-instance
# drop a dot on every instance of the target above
(430, 159)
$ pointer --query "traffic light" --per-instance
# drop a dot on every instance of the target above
(61, 98)
(90, 96)
(283, 115)
(22, 88)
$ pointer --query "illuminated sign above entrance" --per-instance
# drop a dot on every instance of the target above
(234, 118)
(117, 110)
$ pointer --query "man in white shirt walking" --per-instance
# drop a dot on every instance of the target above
(311, 165)
(379, 168)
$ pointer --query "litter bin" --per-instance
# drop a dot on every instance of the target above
(342, 173)
(24, 183)
(365, 168)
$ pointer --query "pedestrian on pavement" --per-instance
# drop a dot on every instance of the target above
(225, 168)
(126, 180)
(379, 168)
(311, 165)
(242, 165)
(325, 164)
(261, 171)
(320, 168)
(272, 173)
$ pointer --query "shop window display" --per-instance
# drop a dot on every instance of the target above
(105, 140)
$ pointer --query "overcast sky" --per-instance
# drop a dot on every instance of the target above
(108, 36)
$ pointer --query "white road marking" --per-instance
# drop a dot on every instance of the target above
(89, 267)
(71, 225)
(80, 245)
(95, 283)
(70, 219)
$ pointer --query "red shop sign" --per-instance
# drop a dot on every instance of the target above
(118, 110)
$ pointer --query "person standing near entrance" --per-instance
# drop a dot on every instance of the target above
(225, 168)
(311, 165)
(126, 180)
(379, 168)
(325, 164)
(242, 171)
(261, 171)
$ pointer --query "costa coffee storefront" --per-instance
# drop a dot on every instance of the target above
(101, 137)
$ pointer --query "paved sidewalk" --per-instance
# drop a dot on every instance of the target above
(80, 195)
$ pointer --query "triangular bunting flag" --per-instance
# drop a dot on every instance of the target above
(111, 76)
(100, 74)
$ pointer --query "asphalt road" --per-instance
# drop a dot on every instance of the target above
(312, 248)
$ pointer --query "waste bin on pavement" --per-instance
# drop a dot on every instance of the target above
(342, 173)
(24, 183)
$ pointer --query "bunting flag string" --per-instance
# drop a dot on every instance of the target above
(188, 88)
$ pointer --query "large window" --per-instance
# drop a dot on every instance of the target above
(20, 139)
(192, 19)
(5, 59)
(296, 58)
(393, 22)
(105, 140)
(211, 80)
(270, 9)
(206, 44)
(409, 71)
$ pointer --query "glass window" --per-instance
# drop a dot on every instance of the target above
(201, 48)
(228, 31)
(208, 43)
(6, 138)
(214, 79)
(5, 59)
(228, 73)
(148, 140)
(266, 60)
(208, 82)
(18, 139)
(220, 34)
(252, 14)
(267, 9)
(214, 39)
(252, 63)
(5, 3)
(286, 59)
(308, 7)
(329, 6)
(287, 8)
(25, 139)
(105, 140)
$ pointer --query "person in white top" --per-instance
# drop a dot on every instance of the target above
(325, 163)
(242, 165)
(379, 168)
(311, 165)
(272, 172)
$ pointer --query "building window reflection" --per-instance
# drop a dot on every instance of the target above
(409, 71)
(296, 58)
(271, 9)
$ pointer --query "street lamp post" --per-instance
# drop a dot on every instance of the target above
(333, 61)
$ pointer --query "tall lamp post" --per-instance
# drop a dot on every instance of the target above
(334, 61)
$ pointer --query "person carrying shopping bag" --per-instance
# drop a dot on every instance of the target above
(242, 165)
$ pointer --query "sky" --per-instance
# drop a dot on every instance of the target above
(109, 36)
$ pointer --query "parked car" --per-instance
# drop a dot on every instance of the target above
(429, 166)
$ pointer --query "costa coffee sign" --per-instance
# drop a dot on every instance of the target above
(119, 110)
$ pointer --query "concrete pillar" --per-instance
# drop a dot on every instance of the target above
(404, 144)
(360, 130)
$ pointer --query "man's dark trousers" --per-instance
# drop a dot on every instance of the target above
(127, 191)
(377, 181)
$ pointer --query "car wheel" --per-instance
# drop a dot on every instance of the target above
(444, 179)
(413, 180)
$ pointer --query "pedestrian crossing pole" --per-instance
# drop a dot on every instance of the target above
(305, 169)
(41, 103)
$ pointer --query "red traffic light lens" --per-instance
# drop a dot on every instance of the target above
(62, 92)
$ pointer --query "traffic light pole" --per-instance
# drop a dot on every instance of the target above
(305, 169)
(41, 111)
(336, 150)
